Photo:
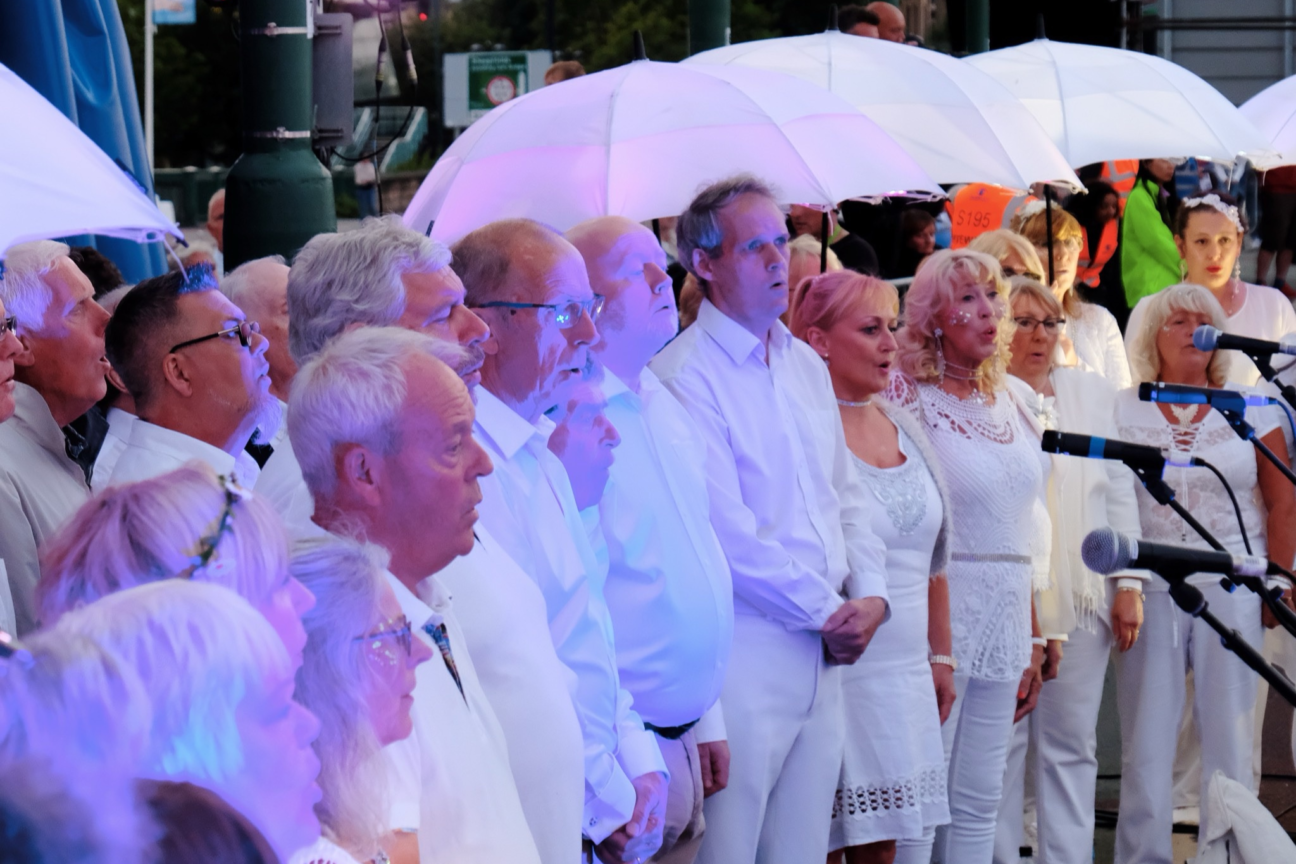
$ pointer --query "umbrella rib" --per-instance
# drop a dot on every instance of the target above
(1066, 124)
(607, 161)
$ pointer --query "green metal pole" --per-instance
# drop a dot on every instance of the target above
(277, 195)
(708, 22)
(978, 26)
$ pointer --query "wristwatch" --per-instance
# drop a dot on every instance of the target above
(944, 660)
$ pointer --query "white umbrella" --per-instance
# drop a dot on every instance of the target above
(958, 124)
(1273, 111)
(56, 182)
(641, 139)
(1107, 103)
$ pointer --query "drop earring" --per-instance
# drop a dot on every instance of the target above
(1237, 269)
(1183, 270)
(940, 353)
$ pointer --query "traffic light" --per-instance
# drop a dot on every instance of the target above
(424, 9)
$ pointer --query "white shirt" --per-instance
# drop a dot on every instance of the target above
(668, 587)
(322, 851)
(1097, 340)
(506, 626)
(40, 489)
(155, 450)
(1264, 314)
(120, 424)
(785, 500)
(529, 507)
(451, 776)
(280, 481)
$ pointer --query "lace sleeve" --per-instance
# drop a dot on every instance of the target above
(902, 391)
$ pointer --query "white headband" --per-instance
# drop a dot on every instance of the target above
(1213, 200)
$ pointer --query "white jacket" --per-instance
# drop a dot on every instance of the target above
(1084, 494)
(1240, 829)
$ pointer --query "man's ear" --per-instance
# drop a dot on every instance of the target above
(702, 265)
(359, 473)
(25, 357)
(176, 375)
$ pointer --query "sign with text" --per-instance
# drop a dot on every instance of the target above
(478, 81)
(174, 11)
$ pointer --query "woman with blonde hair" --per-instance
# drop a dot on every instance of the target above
(891, 795)
(1093, 331)
(803, 264)
(1151, 676)
(953, 359)
(189, 522)
(1015, 254)
(1092, 613)
(357, 679)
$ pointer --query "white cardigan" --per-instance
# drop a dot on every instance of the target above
(1084, 494)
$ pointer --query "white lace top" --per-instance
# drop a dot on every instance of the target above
(1197, 489)
(324, 851)
(995, 474)
(1098, 344)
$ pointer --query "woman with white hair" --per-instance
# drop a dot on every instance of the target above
(221, 685)
(357, 678)
(1092, 613)
(189, 522)
(1151, 675)
(953, 355)
(892, 790)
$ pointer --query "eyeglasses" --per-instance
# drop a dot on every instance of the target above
(243, 330)
(1028, 325)
(565, 314)
(398, 629)
(8, 325)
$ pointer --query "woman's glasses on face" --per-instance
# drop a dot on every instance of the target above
(398, 632)
(1028, 325)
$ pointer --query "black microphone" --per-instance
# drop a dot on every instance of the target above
(1182, 394)
(1208, 338)
(1106, 551)
(1093, 447)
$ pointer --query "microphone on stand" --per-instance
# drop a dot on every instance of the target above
(1183, 394)
(1208, 338)
(1136, 456)
(1106, 551)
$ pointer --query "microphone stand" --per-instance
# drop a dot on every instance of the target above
(1264, 363)
(1190, 599)
(1162, 493)
(1246, 432)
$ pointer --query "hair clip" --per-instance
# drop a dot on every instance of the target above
(1214, 201)
(207, 545)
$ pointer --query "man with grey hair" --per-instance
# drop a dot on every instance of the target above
(792, 521)
(531, 287)
(382, 274)
(383, 432)
(58, 376)
(385, 274)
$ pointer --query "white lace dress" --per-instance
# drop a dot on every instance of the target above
(995, 473)
(893, 770)
(1198, 489)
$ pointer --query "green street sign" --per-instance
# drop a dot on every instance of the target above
(495, 77)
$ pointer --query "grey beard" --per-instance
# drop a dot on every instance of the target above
(269, 415)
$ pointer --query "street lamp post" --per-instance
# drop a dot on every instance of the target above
(708, 23)
(277, 195)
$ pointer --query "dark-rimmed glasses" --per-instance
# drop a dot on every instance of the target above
(565, 314)
(8, 325)
(243, 330)
(1028, 325)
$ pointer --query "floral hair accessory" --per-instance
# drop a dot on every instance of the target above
(202, 559)
(1213, 200)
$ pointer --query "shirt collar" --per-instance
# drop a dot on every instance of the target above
(32, 411)
(736, 340)
(614, 388)
(507, 429)
(149, 436)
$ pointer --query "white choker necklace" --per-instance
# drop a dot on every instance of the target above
(848, 404)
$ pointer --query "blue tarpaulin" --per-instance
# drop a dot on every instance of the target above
(74, 53)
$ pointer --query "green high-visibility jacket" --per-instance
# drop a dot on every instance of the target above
(1149, 257)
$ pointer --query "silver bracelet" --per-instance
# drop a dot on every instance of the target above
(944, 660)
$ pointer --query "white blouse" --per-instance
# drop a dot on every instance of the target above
(1098, 346)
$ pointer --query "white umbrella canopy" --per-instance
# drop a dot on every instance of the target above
(960, 125)
(1273, 112)
(640, 141)
(56, 182)
(1107, 103)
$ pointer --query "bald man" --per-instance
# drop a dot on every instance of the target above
(667, 573)
(260, 289)
(891, 21)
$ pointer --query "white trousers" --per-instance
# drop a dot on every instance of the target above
(1062, 733)
(783, 715)
(976, 752)
(916, 851)
(1150, 696)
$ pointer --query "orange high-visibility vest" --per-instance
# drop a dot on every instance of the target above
(1088, 272)
(975, 208)
(1120, 174)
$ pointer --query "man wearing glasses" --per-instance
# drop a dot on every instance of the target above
(196, 368)
(531, 287)
(58, 376)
